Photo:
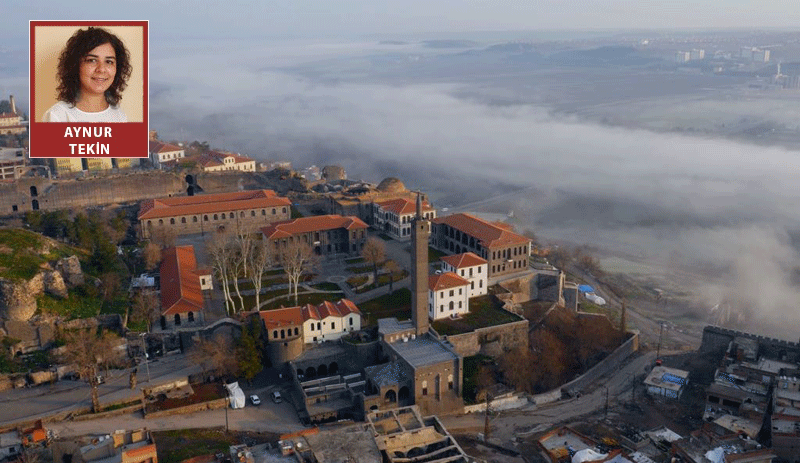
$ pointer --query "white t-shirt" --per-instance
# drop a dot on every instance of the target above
(65, 112)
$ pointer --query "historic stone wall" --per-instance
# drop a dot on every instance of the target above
(492, 340)
(717, 339)
(608, 364)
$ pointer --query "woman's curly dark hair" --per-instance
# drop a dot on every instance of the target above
(69, 64)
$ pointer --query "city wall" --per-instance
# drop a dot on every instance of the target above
(607, 365)
(717, 339)
(492, 340)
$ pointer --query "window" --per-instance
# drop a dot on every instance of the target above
(183, 219)
(441, 308)
(191, 316)
(215, 217)
(450, 382)
(284, 210)
(441, 293)
(424, 388)
(459, 304)
(194, 219)
(275, 334)
(471, 285)
(460, 291)
(333, 325)
(480, 283)
(470, 272)
(263, 212)
(273, 211)
(318, 326)
(205, 218)
(296, 331)
(160, 221)
(252, 213)
(479, 269)
(452, 292)
(351, 321)
(283, 334)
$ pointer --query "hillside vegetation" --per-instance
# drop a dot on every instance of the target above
(23, 253)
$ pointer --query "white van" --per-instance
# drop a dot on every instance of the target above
(276, 397)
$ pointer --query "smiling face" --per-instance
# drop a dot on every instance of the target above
(98, 69)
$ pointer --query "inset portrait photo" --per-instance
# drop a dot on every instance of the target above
(88, 72)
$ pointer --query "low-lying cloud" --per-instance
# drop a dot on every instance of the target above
(708, 200)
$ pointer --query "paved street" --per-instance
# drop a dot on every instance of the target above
(512, 423)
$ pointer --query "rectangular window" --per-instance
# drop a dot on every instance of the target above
(441, 308)
(480, 283)
(479, 269)
(351, 321)
(452, 293)
(333, 326)
(425, 391)
(471, 285)
(460, 291)
(459, 304)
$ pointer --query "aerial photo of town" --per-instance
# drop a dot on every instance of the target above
(400, 231)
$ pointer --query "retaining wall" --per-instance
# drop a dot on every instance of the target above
(612, 362)
(210, 405)
(492, 340)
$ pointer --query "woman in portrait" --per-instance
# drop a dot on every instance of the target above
(93, 70)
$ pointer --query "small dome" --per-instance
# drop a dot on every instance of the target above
(391, 185)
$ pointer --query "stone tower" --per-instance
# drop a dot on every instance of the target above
(420, 231)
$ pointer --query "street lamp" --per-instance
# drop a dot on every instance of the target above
(146, 360)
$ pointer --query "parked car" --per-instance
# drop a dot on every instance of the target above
(255, 400)
(276, 397)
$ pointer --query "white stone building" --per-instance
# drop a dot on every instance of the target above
(164, 153)
(218, 161)
(330, 321)
(448, 295)
(471, 267)
(394, 216)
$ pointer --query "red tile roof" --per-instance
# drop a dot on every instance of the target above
(180, 284)
(8, 115)
(329, 309)
(161, 147)
(489, 234)
(210, 203)
(467, 259)
(445, 281)
(402, 206)
(289, 228)
(293, 316)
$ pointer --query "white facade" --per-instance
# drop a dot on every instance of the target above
(477, 275)
(447, 300)
(225, 162)
(161, 153)
(330, 328)
(394, 217)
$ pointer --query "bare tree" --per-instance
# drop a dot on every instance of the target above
(88, 349)
(374, 252)
(260, 259)
(217, 355)
(218, 249)
(245, 243)
(297, 258)
(393, 267)
(151, 254)
(236, 267)
(145, 308)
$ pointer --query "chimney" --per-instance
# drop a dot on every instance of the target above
(13, 105)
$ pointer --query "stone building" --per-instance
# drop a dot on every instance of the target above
(358, 199)
(287, 330)
(470, 267)
(11, 159)
(448, 295)
(326, 234)
(164, 154)
(394, 216)
(11, 123)
(506, 252)
(241, 210)
(219, 161)
(182, 286)
(120, 447)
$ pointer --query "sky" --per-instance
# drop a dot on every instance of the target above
(348, 18)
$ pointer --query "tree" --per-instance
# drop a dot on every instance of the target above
(393, 267)
(218, 249)
(87, 349)
(560, 257)
(145, 308)
(374, 252)
(215, 355)
(260, 259)
(297, 258)
(151, 255)
(249, 354)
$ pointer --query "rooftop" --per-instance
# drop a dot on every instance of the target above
(488, 233)
(332, 446)
(298, 315)
(311, 224)
(667, 378)
(484, 311)
(464, 260)
(737, 424)
(180, 284)
(161, 147)
(422, 350)
(390, 326)
(445, 280)
(209, 203)
(401, 206)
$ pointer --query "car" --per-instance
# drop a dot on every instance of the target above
(255, 400)
(276, 397)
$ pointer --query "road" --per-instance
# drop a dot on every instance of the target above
(45, 400)
(512, 423)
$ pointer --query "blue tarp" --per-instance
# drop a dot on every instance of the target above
(585, 289)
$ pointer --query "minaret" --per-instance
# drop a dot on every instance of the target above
(420, 231)
(13, 105)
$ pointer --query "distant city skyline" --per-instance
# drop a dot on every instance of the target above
(349, 18)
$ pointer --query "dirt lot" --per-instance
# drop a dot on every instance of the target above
(176, 446)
